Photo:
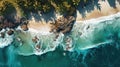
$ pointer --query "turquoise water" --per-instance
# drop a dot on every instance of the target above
(93, 44)
(52, 59)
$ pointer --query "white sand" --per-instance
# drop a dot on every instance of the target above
(39, 27)
(106, 10)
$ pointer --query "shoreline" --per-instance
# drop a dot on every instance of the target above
(91, 18)
(46, 27)
(106, 10)
(101, 19)
(91, 21)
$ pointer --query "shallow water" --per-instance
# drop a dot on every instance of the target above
(84, 35)
(89, 41)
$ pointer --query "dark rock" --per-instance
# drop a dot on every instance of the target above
(1, 18)
(2, 34)
(10, 32)
(0, 28)
(24, 27)
(64, 24)
(35, 39)
(9, 23)
(38, 46)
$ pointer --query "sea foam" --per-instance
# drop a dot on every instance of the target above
(7, 40)
(95, 32)
(84, 35)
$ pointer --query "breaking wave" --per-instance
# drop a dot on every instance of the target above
(84, 35)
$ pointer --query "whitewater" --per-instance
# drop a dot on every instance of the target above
(84, 35)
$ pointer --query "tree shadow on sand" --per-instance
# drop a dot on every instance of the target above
(82, 8)
(90, 5)
(43, 16)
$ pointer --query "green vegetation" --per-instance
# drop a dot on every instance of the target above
(4, 7)
(9, 6)
(44, 6)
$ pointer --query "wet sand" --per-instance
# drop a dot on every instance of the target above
(39, 27)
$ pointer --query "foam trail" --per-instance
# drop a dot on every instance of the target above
(94, 32)
(6, 41)
(84, 35)
(11, 56)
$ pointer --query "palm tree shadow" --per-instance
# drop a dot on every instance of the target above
(44, 16)
(82, 8)
(112, 3)
(90, 5)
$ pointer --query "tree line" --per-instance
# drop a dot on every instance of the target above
(44, 6)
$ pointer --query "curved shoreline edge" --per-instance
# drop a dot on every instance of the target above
(87, 22)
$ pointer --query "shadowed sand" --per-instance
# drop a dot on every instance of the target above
(106, 10)
(41, 27)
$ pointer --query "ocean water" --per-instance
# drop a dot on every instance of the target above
(91, 43)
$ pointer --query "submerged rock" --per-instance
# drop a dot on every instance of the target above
(0, 28)
(2, 34)
(35, 39)
(10, 32)
(37, 47)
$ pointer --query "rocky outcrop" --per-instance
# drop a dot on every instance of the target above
(35, 39)
(8, 23)
(63, 24)
(24, 27)
(10, 32)
(2, 34)
(24, 24)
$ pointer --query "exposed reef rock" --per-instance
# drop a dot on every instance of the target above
(24, 27)
(35, 39)
(2, 34)
(24, 24)
(63, 24)
(8, 23)
(10, 32)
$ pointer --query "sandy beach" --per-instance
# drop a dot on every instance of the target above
(86, 37)
(39, 27)
(106, 10)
